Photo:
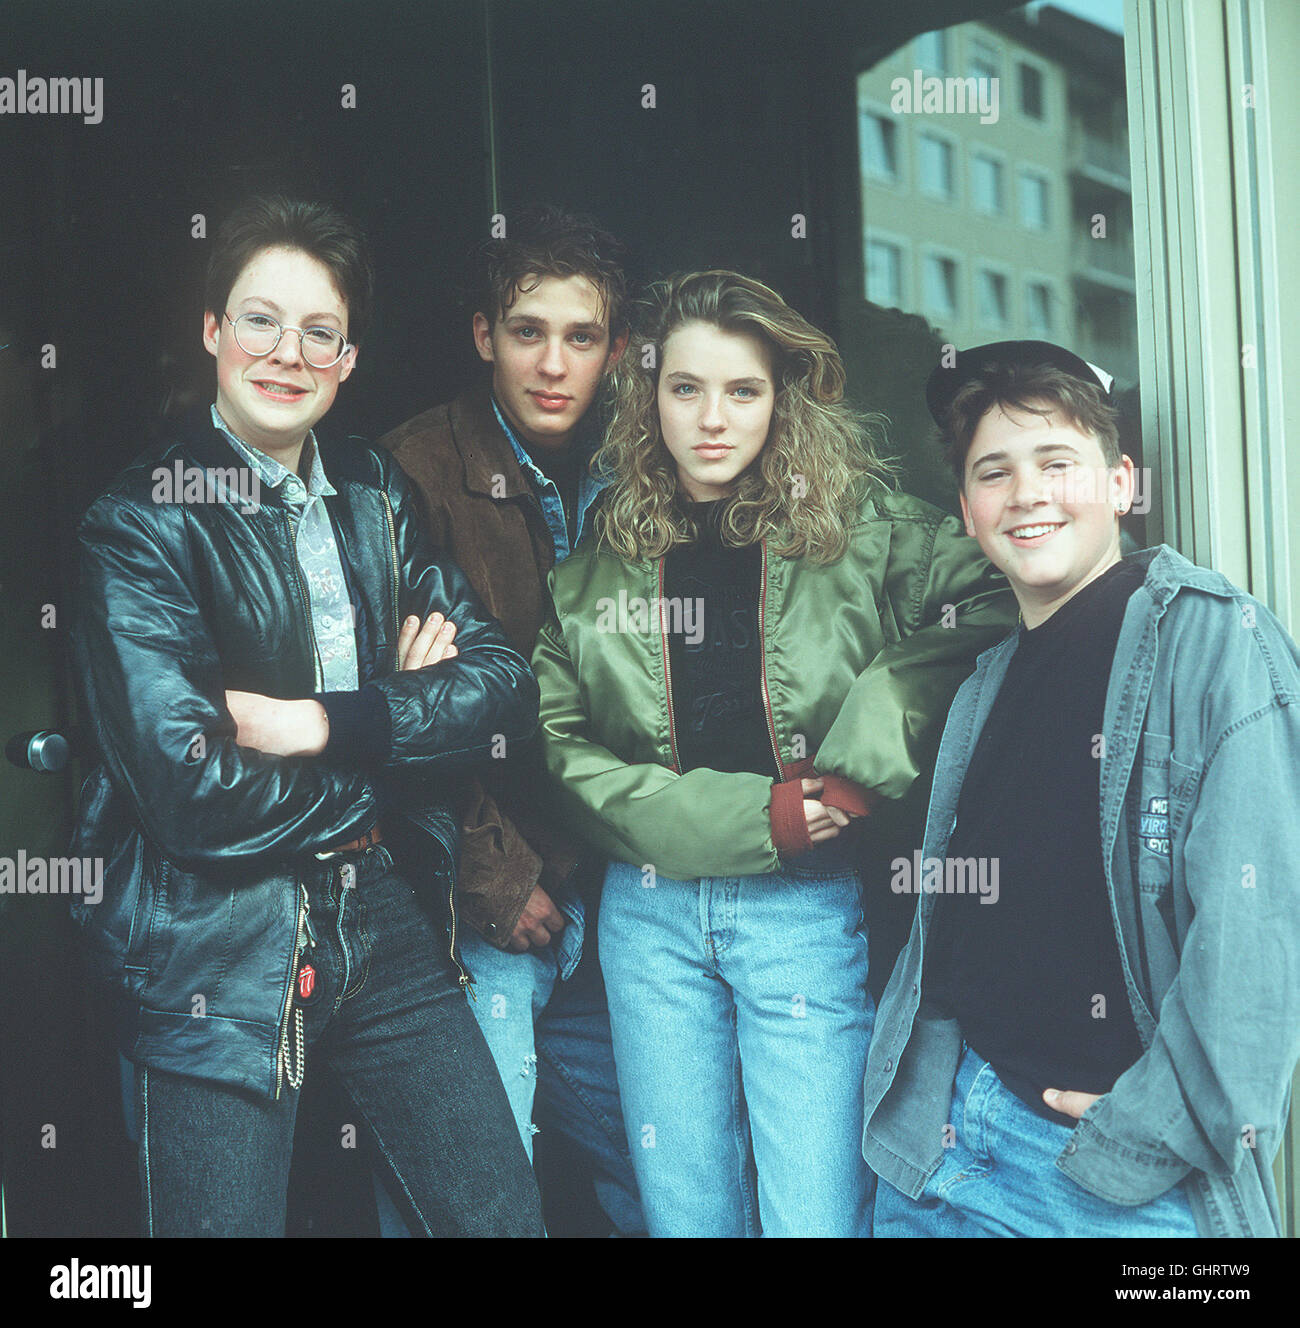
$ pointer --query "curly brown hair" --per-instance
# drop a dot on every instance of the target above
(819, 462)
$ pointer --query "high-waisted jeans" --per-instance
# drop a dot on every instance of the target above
(741, 1021)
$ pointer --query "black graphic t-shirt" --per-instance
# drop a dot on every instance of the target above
(715, 657)
(1034, 976)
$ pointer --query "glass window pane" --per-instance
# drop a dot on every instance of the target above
(1031, 91)
(884, 273)
(1062, 270)
(932, 51)
(936, 165)
(1033, 201)
(991, 297)
(982, 60)
(941, 284)
(879, 145)
(1038, 310)
(986, 177)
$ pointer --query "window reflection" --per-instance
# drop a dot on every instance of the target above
(996, 200)
(1019, 221)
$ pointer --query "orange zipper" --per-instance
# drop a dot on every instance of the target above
(668, 673)
(762, 656)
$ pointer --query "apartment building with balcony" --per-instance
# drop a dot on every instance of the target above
(1004, 214)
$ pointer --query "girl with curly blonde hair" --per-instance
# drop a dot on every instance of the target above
(759, 645)
(818, 459)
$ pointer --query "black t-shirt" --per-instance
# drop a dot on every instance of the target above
(716, 659)
(1035, 978)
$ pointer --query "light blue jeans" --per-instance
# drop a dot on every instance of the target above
(741, 1022)
(546, 1023)
(510, 993)
(999, 1177)
(544, 1018)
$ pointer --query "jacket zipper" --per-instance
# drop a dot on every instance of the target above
(465, 980)
(318, 669)
(668, 673)
(304, 939)
(762, 657)
(390, 521)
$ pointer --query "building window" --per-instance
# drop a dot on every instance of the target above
(1033, 201)
(1038, 309)
(932, 51)
(991, 298)
(936, 165)
(879, 147)
(941, 285)
(885, 274)
(1031, 91)
(982, 60)
(987, 185)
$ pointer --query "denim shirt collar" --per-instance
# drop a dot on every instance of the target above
(589, 485)
(269, 471)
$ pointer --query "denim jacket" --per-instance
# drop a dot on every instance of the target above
(1200, 834)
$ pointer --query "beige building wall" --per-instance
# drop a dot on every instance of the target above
(903, 212)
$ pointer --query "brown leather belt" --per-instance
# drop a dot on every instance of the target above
(372, 837)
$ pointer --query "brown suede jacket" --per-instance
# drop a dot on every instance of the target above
(478, 505)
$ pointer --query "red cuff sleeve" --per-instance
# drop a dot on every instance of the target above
(789, 824)
(845, 795)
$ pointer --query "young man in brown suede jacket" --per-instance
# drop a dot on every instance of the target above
(503, 478)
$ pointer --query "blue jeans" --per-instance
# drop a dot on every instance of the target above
(546, 1022)
(741, 1022)
(389, 1017)
(999, 1177)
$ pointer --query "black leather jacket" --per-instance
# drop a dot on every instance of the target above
(202, 839)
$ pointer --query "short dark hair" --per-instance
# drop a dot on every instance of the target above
(1018, 385)
(274, 221)
(542, 241)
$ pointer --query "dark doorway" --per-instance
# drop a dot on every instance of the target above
(704, 135)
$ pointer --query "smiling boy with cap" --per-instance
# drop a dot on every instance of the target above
(1107, 1048)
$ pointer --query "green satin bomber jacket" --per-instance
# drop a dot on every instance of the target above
(861, 659)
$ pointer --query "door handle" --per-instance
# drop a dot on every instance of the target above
(45, 751)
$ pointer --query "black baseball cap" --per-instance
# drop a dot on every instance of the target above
(945, 382)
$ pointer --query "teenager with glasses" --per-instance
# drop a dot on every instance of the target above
(281, 716)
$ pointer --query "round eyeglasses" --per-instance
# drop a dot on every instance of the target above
(259, 334)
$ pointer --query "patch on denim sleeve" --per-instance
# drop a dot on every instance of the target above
(1154, 825)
